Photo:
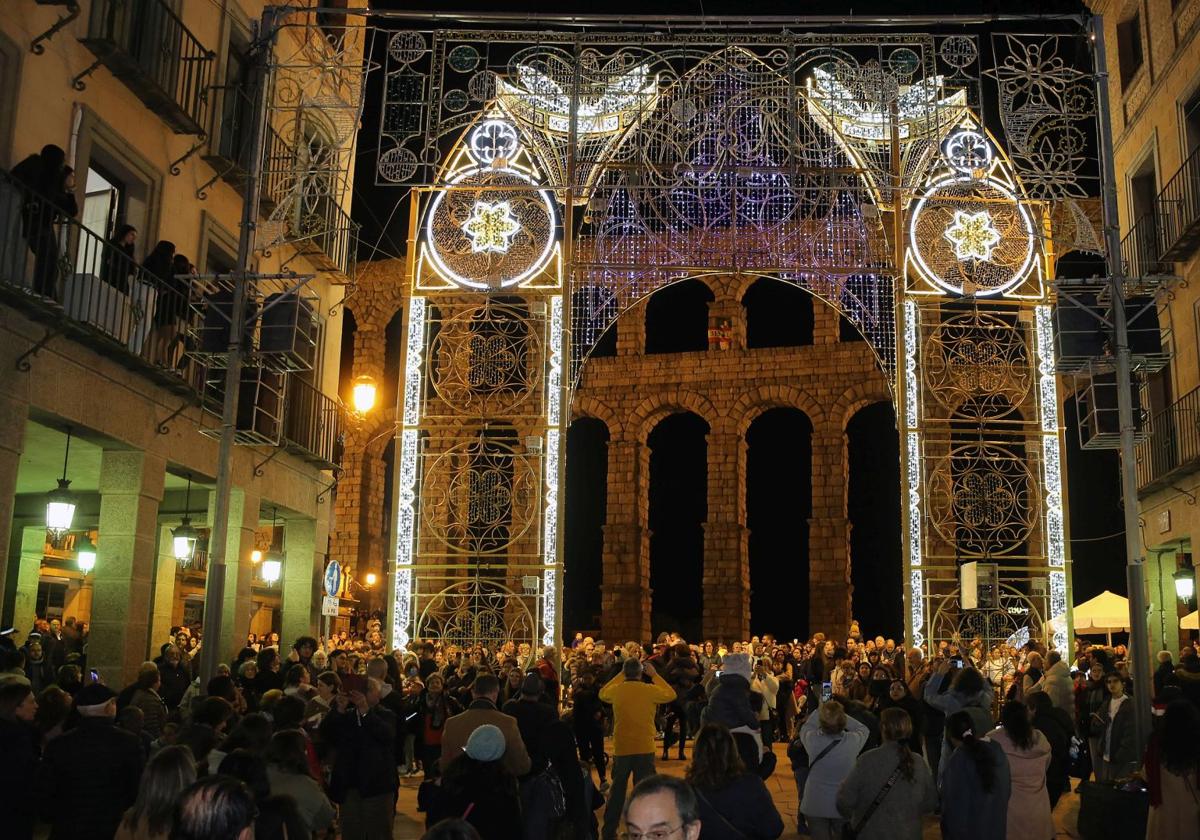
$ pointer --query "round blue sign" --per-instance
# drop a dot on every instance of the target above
(333, 578)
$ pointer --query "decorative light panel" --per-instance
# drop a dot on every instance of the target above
(536, 98)
(491, 226)
(1052, 466)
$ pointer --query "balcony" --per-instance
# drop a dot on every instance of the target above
(1179, 204)
(145, 45)
(1142, 249)
(230, 159)
(77, 284)
(1173, 445)
(312, 425)
(328, 234)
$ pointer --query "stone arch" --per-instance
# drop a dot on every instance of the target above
(587, 406)
(762, 399)
(857, 396)
(650, 411)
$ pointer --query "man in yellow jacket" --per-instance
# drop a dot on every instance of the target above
(634, 703)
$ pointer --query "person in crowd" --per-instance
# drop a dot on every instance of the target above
(89, 775)
(20, 746)
(363, 782)
(587, 720)
(1188, 675)
(289, 774)
(832, 741)
(215, 808)
(682, 674)
(730, 704)
(1057, 727)
(1172, 769)
(477, 787)
(147, 699)
(434, 708)
(252, 732)
(119, 264)
(734, 804)
(1057, 683)
(1091, 696)
(167, 775)
(968, 693)
(38, 668)
(663, 807)
(278, 816)
(50, 187)
(176, 676)
(533, 716)
(975, 784)
(1116, 757)
(889, 790)
(634, 704)
(1164, 675)
(1028, 754)
(328, 684)
(898, 697)
(764, 692)
(547, 668)
(53, 710)
(482, 709)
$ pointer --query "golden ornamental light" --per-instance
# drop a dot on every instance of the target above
(362, 394)
(973, 235)
(491, 227)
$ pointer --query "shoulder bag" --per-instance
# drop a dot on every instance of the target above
(822, 754)
(850, 830)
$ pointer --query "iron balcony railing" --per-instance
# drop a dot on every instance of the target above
(146, 46)
(1173, 445)
(1142, 249)
(1179, 205)
(65, 274)
(331, 234)
(312, 424)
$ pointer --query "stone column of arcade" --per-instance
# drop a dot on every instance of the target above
(829, 537)
(299, 582)
(163, 612)
(235, 609)
(625, 590)
(726, 541)
(33, 547)
(131, 488)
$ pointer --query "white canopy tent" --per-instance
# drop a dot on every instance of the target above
(1107, 613)
(1191, 621)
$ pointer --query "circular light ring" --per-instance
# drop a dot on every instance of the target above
(530, 269)
(968, 152)
(493, 140)
(1022, 216)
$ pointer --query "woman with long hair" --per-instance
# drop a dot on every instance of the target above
(278, 816)
(1173, 774)
(289, 774)
(889, 790)
(1028, 754)
(167, 774)
(975, 784)
(20, 744)
(734, 804)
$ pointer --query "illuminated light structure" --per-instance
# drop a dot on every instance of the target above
(1052, 470)
(973, 235)
(406, 479)
(537, 99)
(491, 226)
(912, 492)
(921, 108)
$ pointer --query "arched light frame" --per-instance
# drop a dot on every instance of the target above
(1026, 221)
(534, 269)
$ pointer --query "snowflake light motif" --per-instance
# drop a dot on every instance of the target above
(491, 226)
(973, 235)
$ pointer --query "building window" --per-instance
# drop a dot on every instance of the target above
(237, 107)
(1129, 47)
(1143, 191)
(1190, 123)
(10, 84)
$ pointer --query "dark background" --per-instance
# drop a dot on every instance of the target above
(777, 456)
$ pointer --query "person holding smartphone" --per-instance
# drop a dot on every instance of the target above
(832, 739)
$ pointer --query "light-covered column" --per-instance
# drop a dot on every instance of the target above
(243, 521)
(829, 586)
(13, 416)
(33, 547)
(300, 597)
(625, 588)
(131, 487)
(164, 589)
(726, 612)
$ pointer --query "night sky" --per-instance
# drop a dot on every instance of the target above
(777, 454)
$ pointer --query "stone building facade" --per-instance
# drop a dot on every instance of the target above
(630, 393)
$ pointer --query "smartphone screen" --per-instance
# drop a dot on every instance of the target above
(826, 691)
(95, 675)
(958, 663)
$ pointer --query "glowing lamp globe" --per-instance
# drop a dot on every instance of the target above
(1185, 584)
(363, 394)
(60, 509)
(371, 578)
(183, 542)
(85, 555)
(256, 556)
(272, 568)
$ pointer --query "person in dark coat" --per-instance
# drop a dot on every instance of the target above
(734, 804)
(1165, 673)
(975, 784)
(1058, 728)
(19, 741)
(682, 674)
(89, 774)
(119, 263)
(176, 676)
(364, 783)
(49, 186)
(533, 716)
(587, 719)
(899, 697)
(477, 788)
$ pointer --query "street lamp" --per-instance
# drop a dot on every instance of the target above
(272, 564)
(370, 578)
(85, 554)
(60, 502)
(362, 394)
(1185, 584)
(183, 538)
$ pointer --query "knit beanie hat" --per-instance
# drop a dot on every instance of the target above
(486, 743)
(737, 663)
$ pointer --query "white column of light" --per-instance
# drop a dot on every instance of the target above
(1052, 469)
(406, 532)
(912, 438)
(554, 414)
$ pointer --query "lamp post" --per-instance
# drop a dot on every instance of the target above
(362, 394)
(1185, 584)
(60, 502)
(183, 538)
(85, 554)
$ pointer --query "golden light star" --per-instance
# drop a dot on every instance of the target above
(972, 235)
(491, 226)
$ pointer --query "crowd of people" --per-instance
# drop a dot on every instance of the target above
(314, 740)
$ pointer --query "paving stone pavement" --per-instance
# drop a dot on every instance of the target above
(410, 825)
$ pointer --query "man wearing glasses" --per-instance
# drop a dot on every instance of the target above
(662, 808)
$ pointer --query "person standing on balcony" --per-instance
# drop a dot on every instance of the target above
(49, 196)
(118, 259)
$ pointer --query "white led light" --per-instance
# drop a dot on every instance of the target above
(910, 388)
(920, 107)
(536, 92)
(916, 586)
(412, 361)
(407, 478)
(549, 604)
(491, 226)
(1052, 470)
(973, 235)
(554, 375)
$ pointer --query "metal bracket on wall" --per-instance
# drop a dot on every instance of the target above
(337, 476)
(36, 47)
(22, 363)
(176, 164)
(77, 81)
(258, 468)
(1191, 497)
(164, 427)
